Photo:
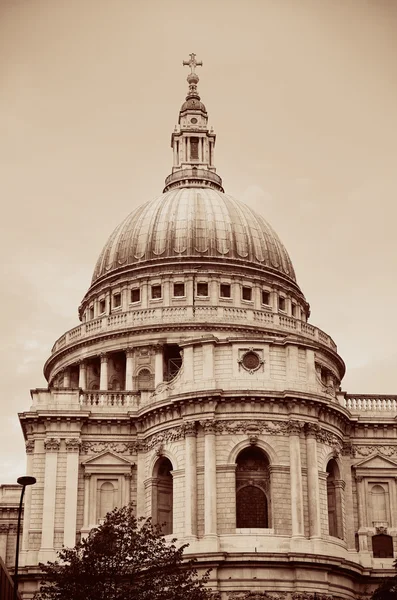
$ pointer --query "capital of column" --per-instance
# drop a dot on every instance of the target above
(209, 426)
(312, 430)
(295, 427)
(72, 444)
(29, 445)
(82, 363)
(189, 428)
(129, 352)
(52, 444)
(104, 357)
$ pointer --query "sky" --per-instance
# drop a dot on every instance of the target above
(303, 98)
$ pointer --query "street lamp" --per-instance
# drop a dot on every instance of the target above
(23, 481)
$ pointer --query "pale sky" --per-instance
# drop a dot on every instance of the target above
(303, 97)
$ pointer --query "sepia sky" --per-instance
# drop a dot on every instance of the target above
(303, 97)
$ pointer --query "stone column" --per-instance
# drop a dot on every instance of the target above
(188, 366)
(129, 369)
(66, 378)
(51, 446)
(72, 477)
(188, 157)
(140, 479)
(86, 514)
(295, 428)
(158, 365)
(274, 300)
(362, 515)
(208, 360)
(3, 540)
(210, 517)
(82, 375)
(27, 505)
(190, 480)
(313, 488)
(310, 367)
(145, 294)
(127, 488)
(292, 363)
(166, 283)
(393, 503)
(103, 380)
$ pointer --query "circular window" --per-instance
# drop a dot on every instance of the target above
(251, 361)
(194, 120)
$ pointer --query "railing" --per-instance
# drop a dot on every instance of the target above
(189, 314)
(114, 399)
(370, 403)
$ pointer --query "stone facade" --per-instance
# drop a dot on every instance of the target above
(196, 389)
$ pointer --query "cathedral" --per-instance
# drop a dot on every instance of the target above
(195, 388)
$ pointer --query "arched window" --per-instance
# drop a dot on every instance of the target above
(379, 505)
(106, 499)
(162, 496)
(334, 500)
(145, 380)
(382, 546)
(252, 489)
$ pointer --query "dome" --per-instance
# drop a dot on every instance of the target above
(193, 223)
(193, 104)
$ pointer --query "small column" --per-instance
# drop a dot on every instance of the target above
(72, 476)
(313, 488)
(295, 428)
(27, 506)
(210, 517)
(274, 300)
(103, 380)
(82, 375)
(66, 378)
(158, 365)
(190, 480)
(51, 446)
(145, 293)
(188, 157)
(166, 291)
(288, 306)
(188, 365)
(129, 369)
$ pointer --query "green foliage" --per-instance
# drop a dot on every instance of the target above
(124, 558)
(387, 589)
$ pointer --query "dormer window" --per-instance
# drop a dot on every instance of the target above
(102, 306)
(225, 290)
(135, 295)
(91, 312)
(156, 292)
(265, 297)
(246, 293)
(202, 289)
(281, 303)
(179, 290)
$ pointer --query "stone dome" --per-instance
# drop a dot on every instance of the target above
(193, 104)
(193, 223)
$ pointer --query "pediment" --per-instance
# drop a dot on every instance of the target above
(107, 458)
(376, 461)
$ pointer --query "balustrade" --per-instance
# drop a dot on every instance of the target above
(370, 403)
(110, 399)
(188, 314)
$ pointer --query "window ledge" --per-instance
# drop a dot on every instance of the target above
(254, 531)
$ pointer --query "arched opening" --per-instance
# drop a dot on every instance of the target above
(252, 489)
(145, 380)
(334, 500)
(382, 546)
(172, 361)
(162, 496)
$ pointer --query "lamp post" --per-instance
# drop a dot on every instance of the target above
(23, 481)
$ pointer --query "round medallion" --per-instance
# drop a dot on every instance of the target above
(194, 120)
(251, 361)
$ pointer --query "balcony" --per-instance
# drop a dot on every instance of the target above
(189, 314)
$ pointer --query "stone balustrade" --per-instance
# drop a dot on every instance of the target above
(358, 403)
(190, 314)
(98, 399)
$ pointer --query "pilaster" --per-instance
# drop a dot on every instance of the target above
(313, 488)
(190, 480)
(51, 446)
(103, 380)
(210, 516)
(72, 474)
(295, 428)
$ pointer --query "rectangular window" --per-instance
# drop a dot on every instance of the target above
(102, 306)
(91, 312)
(194, 148)
(247, 293)
(294, 310)
(202, 289)
(116, 300)
(265, 297)
(281, 303)
(179, 290)
(135, 295)
(156, 292)
(225, 290)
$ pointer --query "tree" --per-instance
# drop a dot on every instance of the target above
(124, 558)
(387, 589)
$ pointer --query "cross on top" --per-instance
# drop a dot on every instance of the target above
(192, 63)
